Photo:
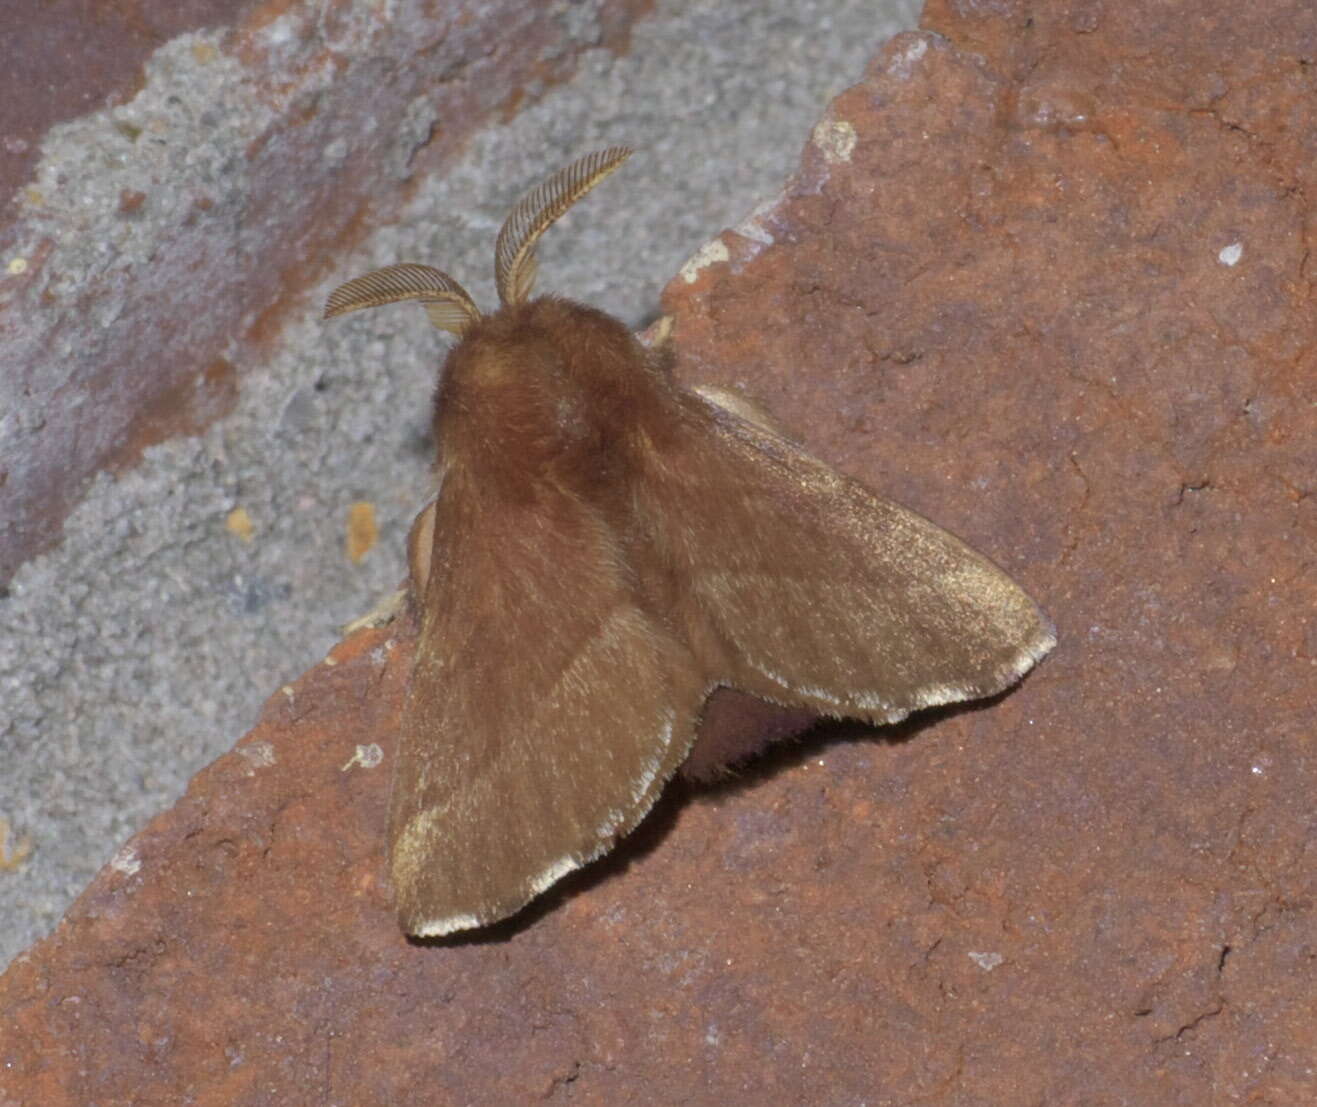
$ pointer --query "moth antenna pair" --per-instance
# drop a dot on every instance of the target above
(449, 306)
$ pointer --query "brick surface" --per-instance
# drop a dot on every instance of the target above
(1044, 280)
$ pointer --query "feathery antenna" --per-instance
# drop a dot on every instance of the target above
(514, 253)
(446, 302)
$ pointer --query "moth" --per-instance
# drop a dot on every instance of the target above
(606, 549)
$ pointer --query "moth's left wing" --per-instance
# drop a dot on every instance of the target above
(546, 709)
(804, 588)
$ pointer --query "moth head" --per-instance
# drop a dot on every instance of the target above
(447, 303)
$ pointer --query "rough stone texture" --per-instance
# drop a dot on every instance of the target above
(1044, 279)
(136, 651)
(254, 142)
(62, 60)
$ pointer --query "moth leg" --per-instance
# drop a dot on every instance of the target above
(658, 334)
(419, 543)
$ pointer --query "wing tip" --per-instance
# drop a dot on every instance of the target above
(421, 925)
(881, 712)
(1038, 646)
(440, 927)
(1013, 670)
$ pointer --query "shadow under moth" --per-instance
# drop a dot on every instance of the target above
(606, 549)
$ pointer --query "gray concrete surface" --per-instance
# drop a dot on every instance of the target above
(144, 646)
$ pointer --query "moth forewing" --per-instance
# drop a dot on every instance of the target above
(822, 594)
(567, 770)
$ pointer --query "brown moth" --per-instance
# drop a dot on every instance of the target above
(605, 550)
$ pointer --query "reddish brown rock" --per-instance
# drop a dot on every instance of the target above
(1046, 280)
(278, 132)
(61, 60)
